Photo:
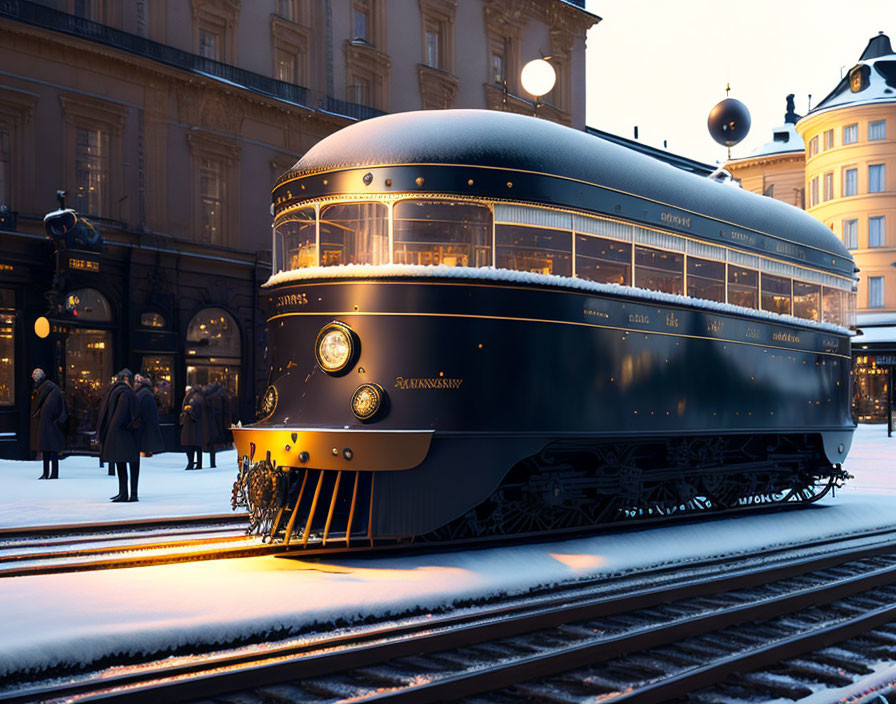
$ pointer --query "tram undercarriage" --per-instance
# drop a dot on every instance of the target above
(567, 487)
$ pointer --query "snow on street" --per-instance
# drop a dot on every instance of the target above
(152, 609)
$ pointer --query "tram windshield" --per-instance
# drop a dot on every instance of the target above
(452, 232)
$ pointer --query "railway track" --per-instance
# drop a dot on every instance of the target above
(647, 637)
(78, 547)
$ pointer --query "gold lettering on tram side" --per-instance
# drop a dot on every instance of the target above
(752, 333)
(292, 299)
(714, 326)
(743, 237)
(673, 219)
(590, 312)
(639, 318)
(785, 337)
(438, 383)
(829, 344)
(671, 320)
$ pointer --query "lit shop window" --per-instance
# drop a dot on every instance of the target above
(213, 349)
(159, 369)
(152, 319)
(7, 347)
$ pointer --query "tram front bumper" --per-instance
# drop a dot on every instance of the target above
(325, 448)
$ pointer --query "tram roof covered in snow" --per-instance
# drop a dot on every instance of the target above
(495, 140)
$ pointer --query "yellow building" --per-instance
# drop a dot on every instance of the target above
(850, 141)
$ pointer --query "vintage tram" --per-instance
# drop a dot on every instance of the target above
(489, 324)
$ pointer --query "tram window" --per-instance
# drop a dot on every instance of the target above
(533, 249)
(7, 347)
(354, 233)
(832, 305)
(743, 287)
(658, 270)
(295, 241)
(806, 300)
(776, 294)
(441, 232)
(602, 260)
(706, 279)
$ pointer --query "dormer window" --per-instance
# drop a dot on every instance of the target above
(782, 136)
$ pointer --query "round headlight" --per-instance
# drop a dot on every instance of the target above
(367, 401)
(335, 347)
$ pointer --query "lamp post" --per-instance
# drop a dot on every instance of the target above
(538, 78)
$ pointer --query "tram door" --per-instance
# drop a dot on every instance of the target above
(87, 363)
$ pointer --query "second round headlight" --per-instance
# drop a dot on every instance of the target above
(336, 347)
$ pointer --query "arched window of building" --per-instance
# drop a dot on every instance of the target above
(87, 367)
(213, 349)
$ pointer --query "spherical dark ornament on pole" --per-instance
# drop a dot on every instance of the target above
(729, 122)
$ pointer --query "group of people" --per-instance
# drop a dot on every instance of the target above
(128, 425)
(205, 419)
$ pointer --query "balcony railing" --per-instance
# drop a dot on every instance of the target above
(47, 18)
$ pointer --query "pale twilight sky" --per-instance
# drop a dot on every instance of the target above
(663, 64)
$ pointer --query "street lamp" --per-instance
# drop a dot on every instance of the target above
(538, 78)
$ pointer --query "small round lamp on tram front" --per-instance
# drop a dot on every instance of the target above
(538, 78)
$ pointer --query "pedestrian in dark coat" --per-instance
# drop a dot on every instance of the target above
(48, 416)
(117, 433)
(150, 433)
(191, 417)
(213, 420)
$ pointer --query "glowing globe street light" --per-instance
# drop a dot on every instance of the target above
(538, 77)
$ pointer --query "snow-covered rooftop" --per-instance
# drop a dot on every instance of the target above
(878, 63)
(785, 139)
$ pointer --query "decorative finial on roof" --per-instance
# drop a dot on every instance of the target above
(790, 116)
(877, 46)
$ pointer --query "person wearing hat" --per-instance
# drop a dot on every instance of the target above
(116, 432)
(48, 416)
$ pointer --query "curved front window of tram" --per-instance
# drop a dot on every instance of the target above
(441, 232)
(295, 240)
(87, 365)
(354, 233)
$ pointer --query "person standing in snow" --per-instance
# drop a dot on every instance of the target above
(117, 434)
(150, 431)
(191, 417)
(48, 415)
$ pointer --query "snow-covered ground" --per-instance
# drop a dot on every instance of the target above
(82, 492)
(82, 616)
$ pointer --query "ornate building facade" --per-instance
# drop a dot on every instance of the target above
(166, 123)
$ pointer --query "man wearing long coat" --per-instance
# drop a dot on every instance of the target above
(48, 415)
(117, 433)
(149, 437)
(191, 421)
